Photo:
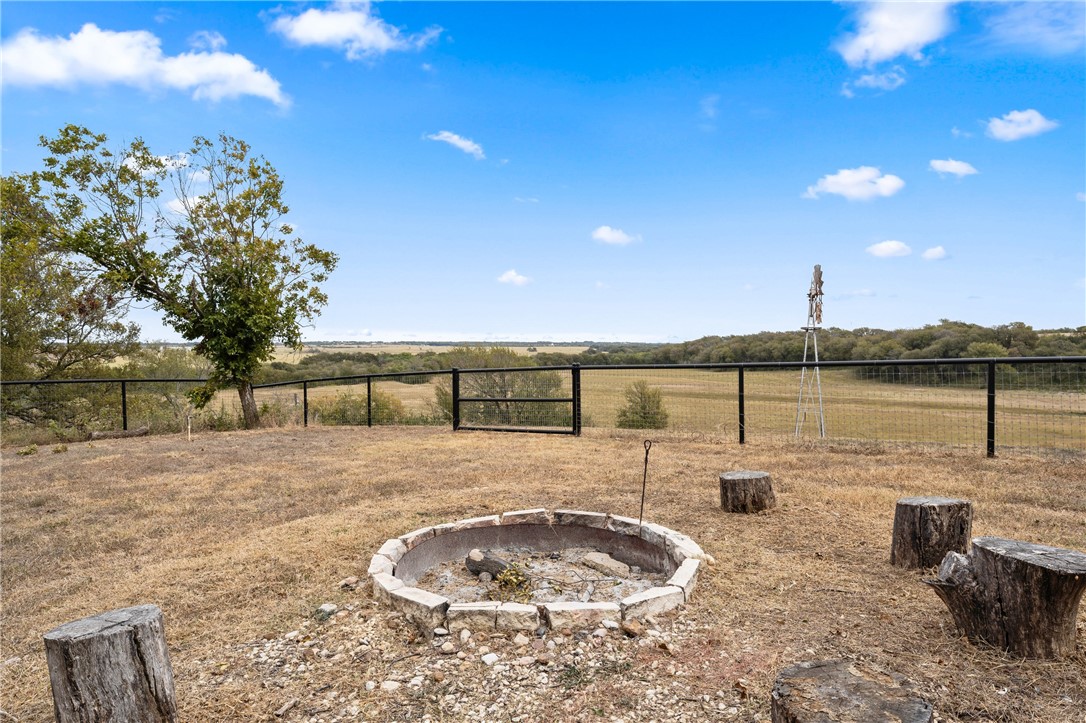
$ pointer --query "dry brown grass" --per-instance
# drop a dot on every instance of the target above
(241, 535)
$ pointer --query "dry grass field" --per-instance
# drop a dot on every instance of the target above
(284, 353)
(240, 536)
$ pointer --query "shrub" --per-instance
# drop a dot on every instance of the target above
(350, 409)
(644, 408)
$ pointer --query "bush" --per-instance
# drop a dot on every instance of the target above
(644, 408)
(350, 409)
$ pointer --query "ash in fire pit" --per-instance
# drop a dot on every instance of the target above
(575, 574)
(565, 568)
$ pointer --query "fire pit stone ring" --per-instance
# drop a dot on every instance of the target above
(401, 561)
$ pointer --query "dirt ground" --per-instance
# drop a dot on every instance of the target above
(240, 537)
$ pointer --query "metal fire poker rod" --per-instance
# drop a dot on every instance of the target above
(644, 483)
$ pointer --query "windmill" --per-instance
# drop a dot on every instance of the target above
(810, 383)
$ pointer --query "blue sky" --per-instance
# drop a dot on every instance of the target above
(612, 171)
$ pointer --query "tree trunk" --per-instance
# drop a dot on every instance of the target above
(746, 492)
(248, 405)
(1017, 596)
(112, 667)
(927, 528)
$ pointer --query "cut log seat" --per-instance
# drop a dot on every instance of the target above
(1018, 596)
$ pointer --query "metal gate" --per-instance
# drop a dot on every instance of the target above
(512, 399)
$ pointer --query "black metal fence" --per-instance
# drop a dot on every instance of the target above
(1027, 403)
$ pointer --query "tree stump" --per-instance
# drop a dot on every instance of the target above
(746, 491)
(1017, 596)
(112, 667)
(927, 528)
(837, 690)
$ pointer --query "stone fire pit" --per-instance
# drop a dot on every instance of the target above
(663, 568)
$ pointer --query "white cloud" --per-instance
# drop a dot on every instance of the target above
(351, 27)
(93, 56)
(512, 277)
(887, 30)
(957, 168)
(176, 207)
(890, 80)
(523, 199)
(1052, 28)
(614, 236)
(888, 249)
(1080, 196)
(207, 40)
(857, 184)
(934, 253)
(959, 133)
(1019, 124)
(467, 146)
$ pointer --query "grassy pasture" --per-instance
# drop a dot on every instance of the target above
(239, 537)
(707, 402)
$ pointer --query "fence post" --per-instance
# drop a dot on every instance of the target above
(456, 399)
(742, 410)
(369, 401)
(576, 370)
(124, 405)
(305, 404)
(991, 407)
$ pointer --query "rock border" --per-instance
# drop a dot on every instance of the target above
(429, 611)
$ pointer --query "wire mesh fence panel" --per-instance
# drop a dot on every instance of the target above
(279, 406)
(414, 399)
(338, 402)
(928, 404)
(164, 407)
(513, 398)
(680, 399)
(1041, 405)
(770, 403)
(45, 413)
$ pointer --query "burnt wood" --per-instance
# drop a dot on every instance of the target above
(479, 562)
(112, 667)
(927, 528)
(1018, 596)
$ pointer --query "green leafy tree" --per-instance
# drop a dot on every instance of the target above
(57, 319)
(644, 408)
(201, 236)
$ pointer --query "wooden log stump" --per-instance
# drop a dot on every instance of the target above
(1017, 596)
(838, 690)
(927, 528)
(112, 667)
(479, 562)
(119, 434)
(746, 491)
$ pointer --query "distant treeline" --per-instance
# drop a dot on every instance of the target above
(945, 340)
